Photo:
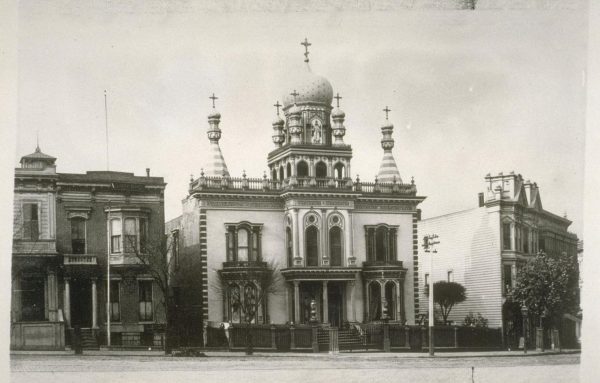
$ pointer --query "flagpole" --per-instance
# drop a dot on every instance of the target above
(108, 234)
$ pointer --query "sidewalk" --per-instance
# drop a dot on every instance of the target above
(241, 354)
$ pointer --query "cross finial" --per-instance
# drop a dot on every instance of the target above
(294, 93)
(277, 105)
(306, 45)
(337, 99)
(387, 110)
(37, 141)
(213, 98)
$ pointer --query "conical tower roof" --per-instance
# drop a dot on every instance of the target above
(388, 170)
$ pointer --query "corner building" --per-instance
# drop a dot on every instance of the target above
(347, 245)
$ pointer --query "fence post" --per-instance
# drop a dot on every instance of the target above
(406, 337)
(333, 340)
(386, 337)
(292, 338)
(315, 339)
(539, 339)
(455, 337)
(423, 338)
(273, 338)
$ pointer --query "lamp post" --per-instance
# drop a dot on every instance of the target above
(524, 312)
(428, 242)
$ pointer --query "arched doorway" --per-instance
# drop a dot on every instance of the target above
(339, 171)
(374, 301)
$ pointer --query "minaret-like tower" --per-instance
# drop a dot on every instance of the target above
(218, 167)
(388, 171)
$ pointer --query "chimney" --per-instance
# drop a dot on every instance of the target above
(147, 172)
(481, 200)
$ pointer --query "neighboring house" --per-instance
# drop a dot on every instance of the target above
(349, 247)
(483, 248)
(67, 283)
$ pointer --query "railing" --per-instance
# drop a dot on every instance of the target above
(265, 184)
(79, 259)
(245, 264)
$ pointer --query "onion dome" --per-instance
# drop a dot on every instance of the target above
(311, 88)
(338, 113)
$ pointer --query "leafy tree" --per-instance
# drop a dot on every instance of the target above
(548, 285)
(446, 295)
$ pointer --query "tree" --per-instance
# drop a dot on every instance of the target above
(258, 284)
(160, 259)
(446, 295)
(548, 286)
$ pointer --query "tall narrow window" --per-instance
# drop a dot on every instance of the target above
(255, 243)
(426, 279)
(289, 246)
(130, 238)
(234, 304)
(526, 240)
(302, 169)
(143, 227)
(450, 276)
(335, 246)
(115, 299)
(312, 246)
(321, 170)
(381, 244)
(507, 278)
(145, 300)
(230, 238)
(242, 245)
(30, 222)
(78, 235)
(115, 236)
(506, 236)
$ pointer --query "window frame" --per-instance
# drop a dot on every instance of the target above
(253, 246)
(507, 236)
(389, 246)
(141, 238)
(31, 227)
(82, 220)
(115, 303)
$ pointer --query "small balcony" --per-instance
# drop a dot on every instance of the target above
(383, 270)
(80, 259)
(241, 270)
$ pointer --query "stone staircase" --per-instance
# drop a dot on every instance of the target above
(88, 340)
(350, 339)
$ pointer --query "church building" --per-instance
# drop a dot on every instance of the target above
(338, 249)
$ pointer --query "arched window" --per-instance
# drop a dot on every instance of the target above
(339, 170)
(288, 170)
(281, 176)
(321, 170)
(78, 235)
(289, 246)
(274, 176)
(234, 303)
(335, 246)
(390, 297)
(312, 246)
(242, 245)
(302, 169)
(381, 243)
(250, 302)
(374, 301)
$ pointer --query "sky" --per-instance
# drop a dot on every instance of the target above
(471, 92)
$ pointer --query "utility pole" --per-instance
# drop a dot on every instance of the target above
(429, 241)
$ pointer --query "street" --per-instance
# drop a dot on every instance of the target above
(346, 367)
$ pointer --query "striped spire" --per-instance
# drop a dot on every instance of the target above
(217, 166)
(388, 171)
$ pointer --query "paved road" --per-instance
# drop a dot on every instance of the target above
(347, 368)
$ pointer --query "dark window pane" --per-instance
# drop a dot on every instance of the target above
(32, 299)
(312, 246)
(290, 246)
(381, 245)
(335, 246)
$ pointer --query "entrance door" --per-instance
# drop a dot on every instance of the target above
(81, 302)
(335, 301)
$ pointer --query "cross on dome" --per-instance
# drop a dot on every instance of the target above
(337, 99)
(277, 105)
(213, 98)
(295, 94)
(306, 45)
(387, 110)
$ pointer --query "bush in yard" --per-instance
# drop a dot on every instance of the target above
(475, 320)
(446, 295)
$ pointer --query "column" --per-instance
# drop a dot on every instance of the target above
(513, 236)
(399, 302)
(323, 244)
(295, 242)
(296, 302)
(366, 295)
(513, 272)
(382, 295)
(94, 304)
(350, 241)
(67, 301)
(52, 296)
(325, 318)
(289, 300)
(352, 285)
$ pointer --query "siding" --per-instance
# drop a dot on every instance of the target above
(470, 248)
